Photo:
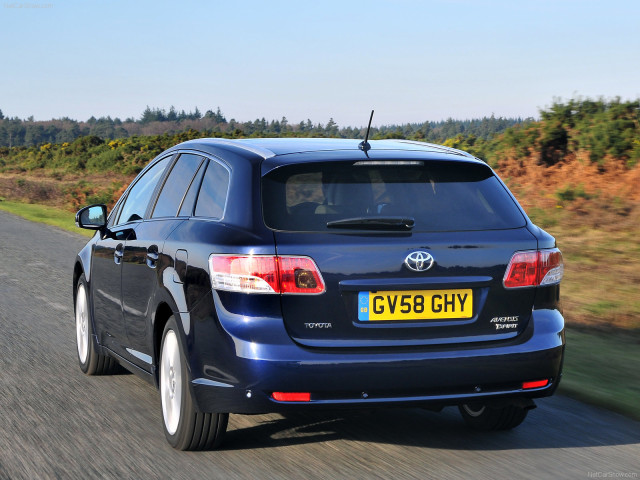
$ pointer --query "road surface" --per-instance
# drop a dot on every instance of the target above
(58, 423)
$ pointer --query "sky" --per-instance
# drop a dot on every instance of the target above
(410, 60)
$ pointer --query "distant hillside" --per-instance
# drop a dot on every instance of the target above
(585, 148)
(15, 132)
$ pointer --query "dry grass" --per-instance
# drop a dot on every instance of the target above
(63, 190)
(602, 282)
(595, 216)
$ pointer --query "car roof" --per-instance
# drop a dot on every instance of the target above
(274, 152)
(287, 146)
(269, 147)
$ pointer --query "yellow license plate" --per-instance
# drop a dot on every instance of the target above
(415, 305)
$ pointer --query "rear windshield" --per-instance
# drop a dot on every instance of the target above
(439, 196)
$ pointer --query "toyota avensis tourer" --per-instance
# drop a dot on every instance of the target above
(272, 275)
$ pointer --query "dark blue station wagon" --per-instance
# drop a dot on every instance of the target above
(272, 275)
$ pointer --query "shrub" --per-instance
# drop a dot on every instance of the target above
(109, 160)
(569, 193)
(553, 143)
(82, 144)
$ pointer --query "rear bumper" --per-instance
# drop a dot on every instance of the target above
(247, 371)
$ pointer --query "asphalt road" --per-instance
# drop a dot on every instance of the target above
(56, 422)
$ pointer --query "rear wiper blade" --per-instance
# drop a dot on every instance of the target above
(374, 223)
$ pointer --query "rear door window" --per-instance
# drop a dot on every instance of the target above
(176, 185)
(438, 195)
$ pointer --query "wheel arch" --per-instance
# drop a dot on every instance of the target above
(77, 272)
(162, 315)
(82, 265)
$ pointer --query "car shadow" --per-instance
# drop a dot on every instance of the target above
(559, 422)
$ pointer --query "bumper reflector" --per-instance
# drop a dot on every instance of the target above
(535, 384)
(291, 396)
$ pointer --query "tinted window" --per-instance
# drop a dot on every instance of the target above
(213, 193)
(190, 198)
(138, 198)
(176, 185)
(440, 196)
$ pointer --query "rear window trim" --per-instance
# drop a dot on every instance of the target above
(166, 178)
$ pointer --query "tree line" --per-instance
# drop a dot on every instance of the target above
(16, 132)
(603, 131)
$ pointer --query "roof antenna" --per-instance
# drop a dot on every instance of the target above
(366, 146)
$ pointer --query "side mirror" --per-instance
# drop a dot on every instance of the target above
(93, 217)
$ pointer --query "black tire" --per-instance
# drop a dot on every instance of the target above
(184, 427)
(486, 418)
(90, 360)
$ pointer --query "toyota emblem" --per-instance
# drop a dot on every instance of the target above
(419, 261)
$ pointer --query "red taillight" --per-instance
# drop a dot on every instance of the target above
(265, 274)
(244, 273)
(299, 275)
(535, 384)
(291, 396)
(533, 268)
(522, 270)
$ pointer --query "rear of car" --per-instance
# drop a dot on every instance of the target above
(401, 277)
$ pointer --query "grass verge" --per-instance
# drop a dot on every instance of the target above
(44, 214)
(603, 368)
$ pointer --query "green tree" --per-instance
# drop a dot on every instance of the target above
(172, 116)
(332, 128)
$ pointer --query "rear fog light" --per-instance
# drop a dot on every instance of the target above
(534, 384)
(291, 396)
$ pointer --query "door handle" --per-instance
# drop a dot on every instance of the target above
(118, 254)
(152, 256)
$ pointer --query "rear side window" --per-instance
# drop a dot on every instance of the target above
(189, 199)
(213, 192)
(439, 196)
(176, 184)
(135, 205)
